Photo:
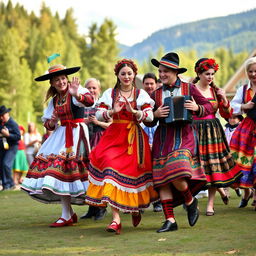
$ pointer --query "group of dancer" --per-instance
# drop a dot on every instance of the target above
(121, 169)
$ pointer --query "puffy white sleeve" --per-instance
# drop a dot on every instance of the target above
(48, 111)
(84, 92)
(237, 101)
(145, 105)
(103, 105)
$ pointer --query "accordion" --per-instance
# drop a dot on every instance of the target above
(177, 110)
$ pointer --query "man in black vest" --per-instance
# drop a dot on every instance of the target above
(9, 137)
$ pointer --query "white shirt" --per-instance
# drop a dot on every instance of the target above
(237, 101)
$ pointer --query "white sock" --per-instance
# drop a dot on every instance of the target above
(66, 205)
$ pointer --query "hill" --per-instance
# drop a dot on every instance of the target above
(236, 32)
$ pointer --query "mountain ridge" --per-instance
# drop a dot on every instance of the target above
(235, 31)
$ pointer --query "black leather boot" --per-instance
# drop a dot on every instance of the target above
(193, 212)
(157, 207)
(243, 203)
(100, 213)
(90, 213)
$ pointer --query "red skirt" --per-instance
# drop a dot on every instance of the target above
(120, 171)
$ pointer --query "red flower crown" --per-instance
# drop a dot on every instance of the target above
(206, 65)
(125, 61)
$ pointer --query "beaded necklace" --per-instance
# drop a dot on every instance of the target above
(62, 100)
(120, 91)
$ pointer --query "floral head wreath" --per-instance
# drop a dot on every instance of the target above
(205, 65)
(125, 61)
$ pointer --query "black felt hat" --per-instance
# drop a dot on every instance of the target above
(170, 60)
(4, 110)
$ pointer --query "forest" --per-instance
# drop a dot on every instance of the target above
(235, 31)
(27, 40)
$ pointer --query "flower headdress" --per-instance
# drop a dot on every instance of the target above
(125, 61)
(205, 65)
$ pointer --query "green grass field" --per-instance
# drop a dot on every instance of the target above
(24, 231)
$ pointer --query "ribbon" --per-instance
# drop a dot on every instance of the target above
(70, 124)
(52, 57)
(131, 135)
(134, 130)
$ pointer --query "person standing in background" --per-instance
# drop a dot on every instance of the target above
(46, 135)
(20, 165)
(96, 127)
(231, 125)
(32, 140)
(9, 139)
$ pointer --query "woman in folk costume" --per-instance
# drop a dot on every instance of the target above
(120, 170)
(214, 150)
(59, 171)
(243, 141)
(177, 172)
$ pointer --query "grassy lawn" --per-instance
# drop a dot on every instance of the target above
(24, 231)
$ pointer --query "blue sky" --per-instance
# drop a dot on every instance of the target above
(138, 19)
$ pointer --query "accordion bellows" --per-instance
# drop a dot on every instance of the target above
(177, 110)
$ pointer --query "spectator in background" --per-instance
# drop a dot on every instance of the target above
(96, 129)
(32, 140)
(149, 83)
(20, 165)
(231, 125)
(9, 139)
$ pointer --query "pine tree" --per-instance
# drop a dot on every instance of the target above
(15, 73)
(102, 53)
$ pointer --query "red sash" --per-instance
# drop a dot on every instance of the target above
(70, 124)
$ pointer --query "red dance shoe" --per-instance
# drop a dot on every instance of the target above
(74, 218)
(62, 224)
(136, 219)
(114, 227)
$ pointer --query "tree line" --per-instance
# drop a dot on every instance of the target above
(27, 41)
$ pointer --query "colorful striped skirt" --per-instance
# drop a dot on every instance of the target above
(177, 165)
(55, 173)
(242, 146)
(215, 156)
